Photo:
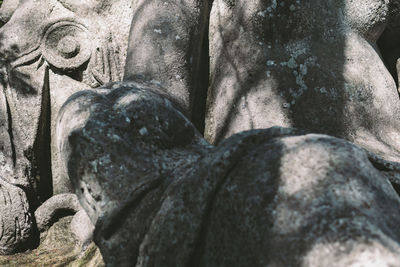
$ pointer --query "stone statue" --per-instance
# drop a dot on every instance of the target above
(49, 50)
(269, 63)
(161, 194)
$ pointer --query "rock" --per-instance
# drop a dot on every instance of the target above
(115, 189)
(82, 228)
(54, 208)
(17, 228)
(58, 236)
(165, 197)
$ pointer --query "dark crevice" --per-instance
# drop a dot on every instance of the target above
(390, 170)
(389, 56)
(396, 187)
(382, 164)
(10, 133)
(59, 214)
(389, 42)
(75, 74)
(42, 146)
(198, 252)
(115, 220)
(200, 73)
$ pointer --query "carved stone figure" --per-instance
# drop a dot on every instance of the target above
(48, 51)
(313, 65)
(158, 193)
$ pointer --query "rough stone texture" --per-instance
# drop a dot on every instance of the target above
(312, 65)
(54, 208)
(157, 192)
(168, 47)
(7, 9)
(160, 195)
(82, 228)
(17, 230)
(49, 50)
(58, 248)
(389, 42)
(67, 46)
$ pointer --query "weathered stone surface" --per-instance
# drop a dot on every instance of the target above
(7, 9)
(169, 47)
(58, 248)
(82, 227)
(43, 73)
(49, 50)
(159, 195)
(312, 65)
(119, 175)
(54, 208)
(17, 229)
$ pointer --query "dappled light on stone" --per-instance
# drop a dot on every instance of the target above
(243, 133)
(241, 202)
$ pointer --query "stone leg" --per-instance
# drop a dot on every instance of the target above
(168, 47)
(311, 65)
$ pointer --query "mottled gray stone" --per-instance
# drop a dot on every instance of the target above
(7, 9)
(168, 47)
(312, 65)
(41, 75)
(279, 197)
(157, 192)
(82, 227)
(49, 50)
(17, 229)
(54, 208)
